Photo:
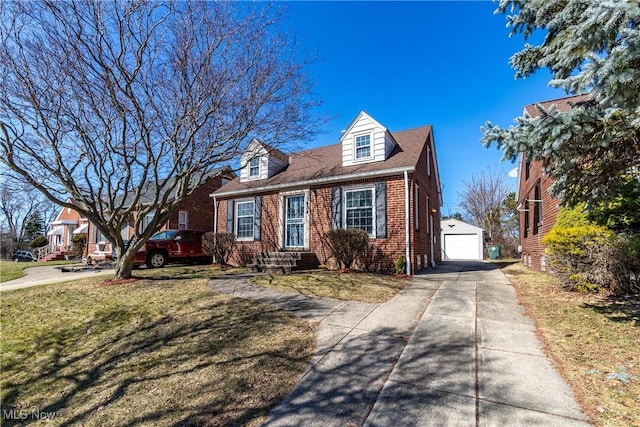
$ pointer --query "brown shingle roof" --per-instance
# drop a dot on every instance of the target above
(326, 162)
(561, 104)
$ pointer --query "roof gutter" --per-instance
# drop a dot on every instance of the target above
(316, 181)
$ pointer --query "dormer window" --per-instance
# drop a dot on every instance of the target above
(254, 167)
(363, 146)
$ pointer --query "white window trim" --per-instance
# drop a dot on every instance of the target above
(249, 167)
(235, 219)
(428, 161)
(373, 207)
(357, 159)
(185, 225)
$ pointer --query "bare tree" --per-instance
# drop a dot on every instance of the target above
(18, 202)
(127, 107)
(485, 203)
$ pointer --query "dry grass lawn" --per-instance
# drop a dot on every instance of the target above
(10, 270)
(165, 350)
(348, 286)
(594, 340)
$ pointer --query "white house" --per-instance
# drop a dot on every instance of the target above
(461, 241)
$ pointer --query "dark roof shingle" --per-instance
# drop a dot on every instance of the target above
(326, 162)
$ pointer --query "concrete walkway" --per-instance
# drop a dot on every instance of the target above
(47, 275)
(452, 349)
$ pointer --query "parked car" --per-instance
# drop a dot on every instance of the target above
(169, 246)
(24, 256)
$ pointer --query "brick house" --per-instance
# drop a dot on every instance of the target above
(66, 224)
(384, 183)
(538, 209)
(195, 213)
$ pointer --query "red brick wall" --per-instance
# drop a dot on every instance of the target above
(428, 190)
(199, 206)
(393, 246)
(531, 234)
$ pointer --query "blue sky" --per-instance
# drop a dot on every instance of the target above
(408, 64)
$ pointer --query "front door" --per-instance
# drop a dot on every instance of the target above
(294, 221)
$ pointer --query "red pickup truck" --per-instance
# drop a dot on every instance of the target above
(172, 246)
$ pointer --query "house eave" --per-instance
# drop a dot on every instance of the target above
(317, 181)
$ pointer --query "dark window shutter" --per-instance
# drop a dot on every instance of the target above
(257, 218)
(230, 209)
(336, 208)
(381, 210)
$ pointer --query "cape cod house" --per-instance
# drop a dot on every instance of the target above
(382, 182)
(538, 209)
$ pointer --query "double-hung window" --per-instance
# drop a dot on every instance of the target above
(363, 146)
(183, 220)
(244, 220)
(359, 209)
(254, 167)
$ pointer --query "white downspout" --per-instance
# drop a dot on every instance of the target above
(407, 225)
(215, 221)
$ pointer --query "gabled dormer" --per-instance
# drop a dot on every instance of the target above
(261, 161)
(365, 141)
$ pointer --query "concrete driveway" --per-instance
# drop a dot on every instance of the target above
(452, 349)
(48, 275)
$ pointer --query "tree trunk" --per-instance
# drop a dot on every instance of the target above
(124, 265)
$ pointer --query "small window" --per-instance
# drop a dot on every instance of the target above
(183, 220)
(146, 220)
(428, 161)
(359, 209)
(537, 208)
(97, 235)
(244, 220)
(363, 146)
(254, 167)
(527, 169)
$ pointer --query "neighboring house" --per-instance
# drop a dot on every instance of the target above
(68, 223)
(194, 213)
(384, 183)
(538, 209)
(461, 241)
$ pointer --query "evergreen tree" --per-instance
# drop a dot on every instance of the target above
(34, 226)
(590, 47)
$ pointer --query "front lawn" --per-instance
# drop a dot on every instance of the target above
(10, 270)
(349, 286)
(165, 350)
(594, 340)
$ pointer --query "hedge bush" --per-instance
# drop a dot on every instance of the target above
(219, 245)
(589, 257)
(346, 245)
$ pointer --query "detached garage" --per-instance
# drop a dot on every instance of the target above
(461, 240)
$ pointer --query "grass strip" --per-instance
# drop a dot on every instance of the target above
(594, 340)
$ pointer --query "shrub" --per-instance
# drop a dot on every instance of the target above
(219, 245)
(39, 241)
(373, 260)
(78, 243)
(346, 244)
(591, 257)
(244, 255)
(400, 264)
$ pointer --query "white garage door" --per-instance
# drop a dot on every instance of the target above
(461, 246)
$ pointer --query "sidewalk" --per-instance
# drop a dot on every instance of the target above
(46, 275)
(454, 348)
